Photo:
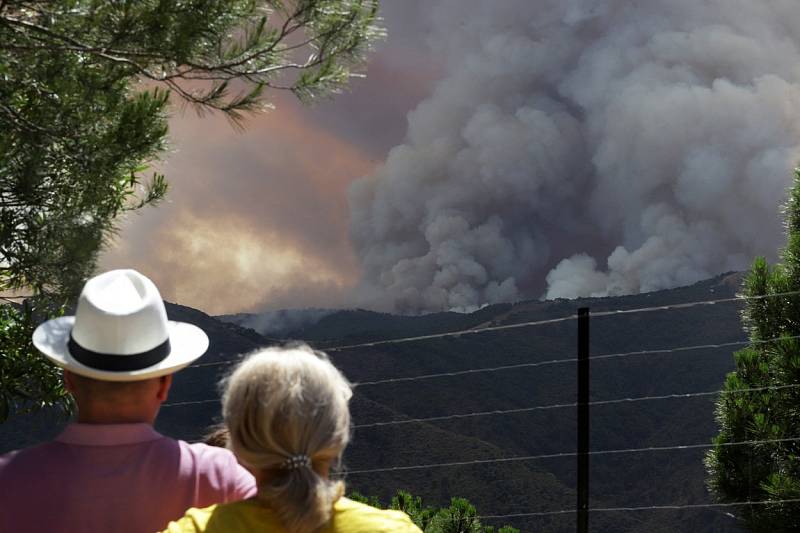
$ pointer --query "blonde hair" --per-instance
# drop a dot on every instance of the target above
(281, 403)
(216, 436)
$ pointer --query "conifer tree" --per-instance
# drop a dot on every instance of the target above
(768, 471)
(460, 517)
(85, 88)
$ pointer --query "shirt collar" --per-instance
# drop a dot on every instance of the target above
(107, 434)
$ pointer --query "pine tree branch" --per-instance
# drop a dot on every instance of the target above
(197, 71)
(77, 46)
(124, 56)
(22, 121)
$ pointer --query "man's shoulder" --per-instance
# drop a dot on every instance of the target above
(27, 454)
(210, 461)
(219, 467)
(208, 454)
(20, 462)
(9, 458)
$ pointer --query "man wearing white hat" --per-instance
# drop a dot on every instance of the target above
(111, 471)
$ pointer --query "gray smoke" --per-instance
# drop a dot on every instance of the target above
(585, 147)
(281, 322)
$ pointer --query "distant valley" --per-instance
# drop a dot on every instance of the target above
(512, 487)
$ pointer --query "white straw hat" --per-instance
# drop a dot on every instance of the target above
(120, 332)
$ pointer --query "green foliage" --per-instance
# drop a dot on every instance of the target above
(412, 505)
(459, 517)
(769, 471)
(77, 129)
(202, 49)
(367, 500)
(29, 381)
(85, 87)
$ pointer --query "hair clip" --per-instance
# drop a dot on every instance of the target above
(296, 461)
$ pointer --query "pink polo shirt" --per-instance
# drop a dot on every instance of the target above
(114, 477)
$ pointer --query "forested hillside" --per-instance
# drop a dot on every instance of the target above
(638, 479)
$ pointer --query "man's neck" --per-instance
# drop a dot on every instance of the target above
(88, 417)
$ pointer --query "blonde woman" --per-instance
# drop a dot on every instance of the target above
(289, 421)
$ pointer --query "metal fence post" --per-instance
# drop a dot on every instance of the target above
(583, 420)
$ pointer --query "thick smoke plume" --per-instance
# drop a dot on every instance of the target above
(585, 147)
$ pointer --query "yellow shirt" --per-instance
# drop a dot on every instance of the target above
(249, 515)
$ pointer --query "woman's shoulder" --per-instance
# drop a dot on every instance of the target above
(226, 517)
(354, 517)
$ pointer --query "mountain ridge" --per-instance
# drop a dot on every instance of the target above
(352, 323)
(533, 380)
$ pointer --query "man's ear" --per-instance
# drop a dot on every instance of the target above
(164, 383)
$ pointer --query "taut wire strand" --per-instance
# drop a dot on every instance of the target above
(618, 355)
(642, 508)
(677, 396)
(559, 455)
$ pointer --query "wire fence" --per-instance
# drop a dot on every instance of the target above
(493, 327)
(597, 403)
(550, 321)
(571, 360)
(677, 507)
(622, 355)
(560, 455)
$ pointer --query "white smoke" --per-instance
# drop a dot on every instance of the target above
(281, 322)
(607, 147)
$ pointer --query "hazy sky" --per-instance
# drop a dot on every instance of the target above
(258, 220)
(497, 150)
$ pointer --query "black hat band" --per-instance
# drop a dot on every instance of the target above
(118, 363)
